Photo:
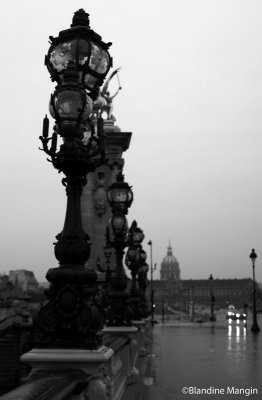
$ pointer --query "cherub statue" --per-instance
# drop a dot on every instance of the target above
(104, 101)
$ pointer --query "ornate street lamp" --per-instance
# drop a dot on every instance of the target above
(135, 259)
(85, 48)
(193, 304)
(143, 283)
(151, 282)
(73, 315)
(135, 255)
(254, 328)
(142, 277)
(212, 300)
(120, 197)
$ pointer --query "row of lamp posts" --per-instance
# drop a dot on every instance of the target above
(78, 61)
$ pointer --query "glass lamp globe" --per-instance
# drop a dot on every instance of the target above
(85, 48)
(70, 105)
(132, 254)
(119, 224)
(120, 195)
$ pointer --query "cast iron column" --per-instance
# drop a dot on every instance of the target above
(254, 328)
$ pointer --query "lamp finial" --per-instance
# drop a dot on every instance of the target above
(80, 18)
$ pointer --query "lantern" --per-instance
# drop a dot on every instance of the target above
(119, 224)
(120, 195)
(136, 235)
(131, 255)
(70, 105)
(84, 47)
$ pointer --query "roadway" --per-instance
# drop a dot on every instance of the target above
(211, 360)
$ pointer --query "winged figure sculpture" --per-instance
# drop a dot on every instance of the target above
(104, 101)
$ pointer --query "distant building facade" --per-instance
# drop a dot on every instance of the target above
(24, 279)
(225, 291)
(179, 292)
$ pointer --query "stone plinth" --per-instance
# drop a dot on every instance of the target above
(132, 333)
(120, 330)
(141, 324)
(61, 371)
(90, 361)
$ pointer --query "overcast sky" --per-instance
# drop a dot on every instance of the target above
(192, 96)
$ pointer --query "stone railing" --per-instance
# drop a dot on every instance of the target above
(74, 374)
(8, 321)
(12, 319)
(47, 384)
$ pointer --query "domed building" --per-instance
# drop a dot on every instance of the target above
(171, 293)
(170, 267)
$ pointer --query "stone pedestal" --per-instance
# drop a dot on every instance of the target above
(95, 209)
(131, 332)
(141, 324)
(89, 361)
(91, 370)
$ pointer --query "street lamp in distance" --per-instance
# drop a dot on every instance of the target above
(120, 197)
(151, 283)
(212, 300)
(254, 328)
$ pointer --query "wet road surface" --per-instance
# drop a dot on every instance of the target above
(211, 361)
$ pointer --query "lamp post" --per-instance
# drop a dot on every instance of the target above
(193, 304)
(120, 197)
(212, 300)
(143, 283)
(187, 300)
(151, 283)
(135, 254)
(78, 60)
(254, 328)
(135, 259)
(163, 310)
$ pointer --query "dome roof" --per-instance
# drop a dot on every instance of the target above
(169, 258)
(169, 262)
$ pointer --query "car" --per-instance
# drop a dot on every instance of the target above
(234, 314)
